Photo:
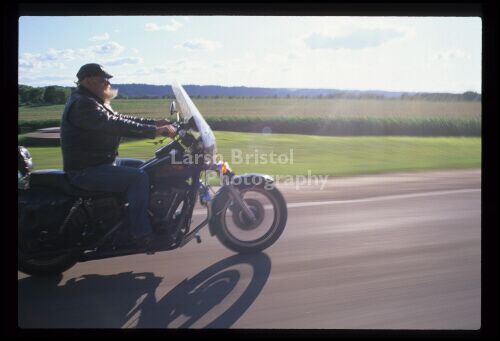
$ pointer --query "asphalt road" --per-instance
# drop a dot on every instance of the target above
(400, 251)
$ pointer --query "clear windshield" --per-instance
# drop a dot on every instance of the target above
(188, 110)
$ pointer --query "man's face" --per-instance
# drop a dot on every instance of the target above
(101, 87)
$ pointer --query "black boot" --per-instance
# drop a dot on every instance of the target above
(144, 242)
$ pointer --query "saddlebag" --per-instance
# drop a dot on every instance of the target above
(42, 210)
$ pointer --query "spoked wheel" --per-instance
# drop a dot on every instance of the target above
(238, 233)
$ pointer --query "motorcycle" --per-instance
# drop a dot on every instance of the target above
(60, 225)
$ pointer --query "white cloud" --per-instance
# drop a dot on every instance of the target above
(151, 27)
(124, 61)
(199, 45)
(173, 67)
(357, 39)
(50, 60)
(146, 71)
(181, 66)
(46, 80)
(166, 72)
(159, 70)
(173, 26)
(57, 59)
(105, 36)
(112, 49)
(450, 55)
(56, 55)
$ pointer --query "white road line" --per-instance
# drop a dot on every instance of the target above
(354, 201)
(386, 197)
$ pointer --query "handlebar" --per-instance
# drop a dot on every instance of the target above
(182, 131)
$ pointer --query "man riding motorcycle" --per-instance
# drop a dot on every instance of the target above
(90, 137)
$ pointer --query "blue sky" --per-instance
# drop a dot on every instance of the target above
(440, 54)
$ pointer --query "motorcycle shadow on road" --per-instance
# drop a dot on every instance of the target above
(216, 297)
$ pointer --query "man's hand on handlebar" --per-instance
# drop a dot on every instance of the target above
(166, 130)
(162, 122)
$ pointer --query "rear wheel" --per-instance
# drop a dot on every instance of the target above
(39, 266)
(45, 266)
(236, 232)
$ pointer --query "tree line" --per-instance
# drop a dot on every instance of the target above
(28, 95)
(446, 97)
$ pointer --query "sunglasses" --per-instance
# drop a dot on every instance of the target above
(102, 79)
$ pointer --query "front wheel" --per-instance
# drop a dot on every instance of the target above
(236, 232)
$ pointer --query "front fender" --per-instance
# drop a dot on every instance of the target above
(252, 179)
(222, 195)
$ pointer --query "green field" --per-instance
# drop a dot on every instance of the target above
(334, 156)
(322, 155)
(309, 116)
(289, 107)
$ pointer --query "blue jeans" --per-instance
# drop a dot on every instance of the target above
(111, 178)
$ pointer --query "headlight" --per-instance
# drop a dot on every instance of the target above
(225, 169)
(222, 168)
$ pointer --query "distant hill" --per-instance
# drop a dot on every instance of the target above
(148, 90)
(144, 90)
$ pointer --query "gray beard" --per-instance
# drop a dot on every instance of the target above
(109, 94)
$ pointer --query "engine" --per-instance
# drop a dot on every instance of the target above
(163, 205)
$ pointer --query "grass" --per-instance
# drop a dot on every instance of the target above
(321, 155)
(334, 156)
(352, 126)
(289, 107)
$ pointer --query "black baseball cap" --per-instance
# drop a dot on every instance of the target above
(91, 70)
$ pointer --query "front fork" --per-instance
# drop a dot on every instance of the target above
(226, 175)
(235, 194)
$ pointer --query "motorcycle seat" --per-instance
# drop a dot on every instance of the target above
(129, 162)
(56, 178)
